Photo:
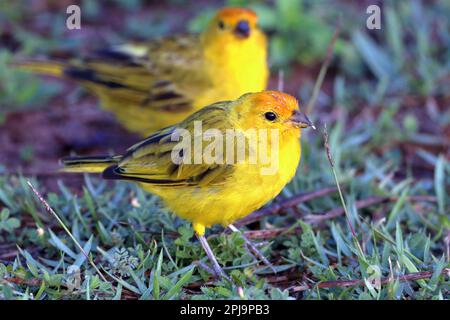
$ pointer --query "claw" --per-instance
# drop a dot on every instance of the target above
(253, 248)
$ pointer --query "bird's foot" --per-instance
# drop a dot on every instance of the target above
(258, 254)
(219, 273)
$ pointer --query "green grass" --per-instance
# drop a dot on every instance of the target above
(390, 157)
(145, 252)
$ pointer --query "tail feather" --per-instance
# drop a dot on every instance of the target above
(52, 68)
(88, 164)
(93, 74)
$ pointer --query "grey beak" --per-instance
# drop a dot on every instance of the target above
(300, 119)
(243, 29)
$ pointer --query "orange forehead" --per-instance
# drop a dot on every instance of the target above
(280, 102)
(234, 14)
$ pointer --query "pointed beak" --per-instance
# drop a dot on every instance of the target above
(300, 120)
(242, 29)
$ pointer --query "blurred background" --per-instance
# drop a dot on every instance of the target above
(396, 79)
(385, 100)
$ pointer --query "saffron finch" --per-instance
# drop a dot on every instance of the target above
(208, 192)
(153, 85)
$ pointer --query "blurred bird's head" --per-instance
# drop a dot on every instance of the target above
(270, 110)
(233, 23)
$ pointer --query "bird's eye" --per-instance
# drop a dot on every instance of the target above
(271, 116)
(221, 25)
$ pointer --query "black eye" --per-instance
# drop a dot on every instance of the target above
(270, 116)
(221, 25)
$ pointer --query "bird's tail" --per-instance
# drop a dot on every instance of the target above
(88, 164)
(52, 68)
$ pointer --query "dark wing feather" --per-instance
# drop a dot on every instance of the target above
(157, 74)
(149, 161)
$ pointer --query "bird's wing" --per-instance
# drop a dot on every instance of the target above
(163, 73)
(150, 161)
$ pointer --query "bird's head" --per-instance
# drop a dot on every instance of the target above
(270, 110)
(234, 23)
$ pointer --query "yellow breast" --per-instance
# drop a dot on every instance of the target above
(235, 67)
(247, 190)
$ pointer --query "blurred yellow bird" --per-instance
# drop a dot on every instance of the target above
(152, 85)
(212, 193)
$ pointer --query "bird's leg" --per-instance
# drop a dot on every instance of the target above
(216, 267)
(253, 248)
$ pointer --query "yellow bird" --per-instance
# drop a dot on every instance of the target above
(152, 85)
(170, 164)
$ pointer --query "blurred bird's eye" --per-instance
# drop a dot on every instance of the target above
(270, 116)
(221, 25)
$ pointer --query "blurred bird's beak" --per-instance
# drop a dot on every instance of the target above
(300, 120)
(242, 29)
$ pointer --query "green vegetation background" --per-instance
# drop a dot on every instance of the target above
(385, 101)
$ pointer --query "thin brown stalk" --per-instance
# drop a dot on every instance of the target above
(52, 212)
(269, 233)
(19, 281)
(336, 212)
(323, 70)
(358, 282)
(284, 204)
(280, 86)
(333, 213)
(341, 196)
